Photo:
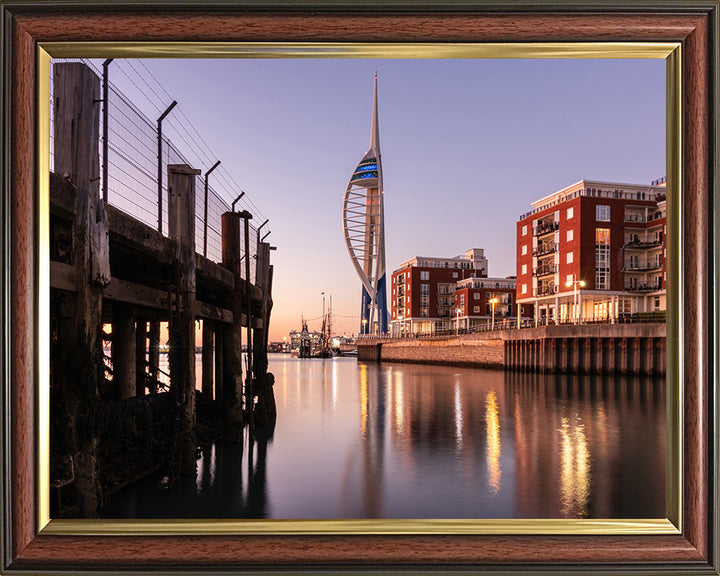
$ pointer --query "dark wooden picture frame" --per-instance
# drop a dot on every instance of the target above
(691, 23)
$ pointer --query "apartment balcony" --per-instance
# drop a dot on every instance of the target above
(545, 228)
(546, 270)
(635, 218)
(545, 290)
(644, 288)
(544, 249)
(638, 245)
(648, 267)
(401, 290)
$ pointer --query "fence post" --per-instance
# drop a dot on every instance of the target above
(106, 103)
(205, 214)
(159, 161)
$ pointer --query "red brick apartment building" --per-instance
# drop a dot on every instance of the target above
(594, 251)
(440, 295)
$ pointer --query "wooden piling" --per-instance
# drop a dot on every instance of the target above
(140, 355)
(154, 354)
(232, 335)
(77, 383)
(219, 363)
(207, 359)
(263, 389)
(181, 227)
(123, 351)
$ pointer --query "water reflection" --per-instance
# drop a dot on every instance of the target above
(493, 442)
(358, 440)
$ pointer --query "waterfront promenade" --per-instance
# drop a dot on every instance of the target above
(636, 349)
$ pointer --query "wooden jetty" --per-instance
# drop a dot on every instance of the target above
(110, 271)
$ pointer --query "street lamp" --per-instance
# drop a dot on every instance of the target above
(574, 283)
(493, 302)
(364, 324)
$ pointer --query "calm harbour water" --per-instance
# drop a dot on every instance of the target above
(357, 440)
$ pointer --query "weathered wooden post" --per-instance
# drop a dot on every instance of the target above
(207, 359)
(249, 394)
(123, 351)
(219, 363)
(266, 409)
(154, 353)
(181, 227)
(76, 390)
(140, 354)
(262, 281)
(232, 335)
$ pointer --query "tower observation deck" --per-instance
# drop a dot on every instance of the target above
(364, 229)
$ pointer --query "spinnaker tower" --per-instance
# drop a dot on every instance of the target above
(364, 228)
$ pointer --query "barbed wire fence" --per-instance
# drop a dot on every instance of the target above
(132, 159)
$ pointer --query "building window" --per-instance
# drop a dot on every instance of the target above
(476, 296)
(524, 268)
(602, 213)
(569, 257)
(569, 235)
(602, 236)
(569, 279)
(462, 300)
(570, 212)
(424, 275)
(455, 274)
(524, 289)
(602, 279)
(476, 309)
(524, 230)
(523, 250)
(602, 258)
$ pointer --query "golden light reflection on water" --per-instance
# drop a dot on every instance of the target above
(574, 468)
(399, 412)
(363, 400)
(493, 442)
(458, 417)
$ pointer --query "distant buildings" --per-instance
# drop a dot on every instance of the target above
(594, 251)
(439, 295)
(591, 252)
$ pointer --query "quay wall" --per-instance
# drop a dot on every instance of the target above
(635, 349)
(456, 352)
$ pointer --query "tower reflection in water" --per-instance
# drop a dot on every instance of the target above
(357, 440)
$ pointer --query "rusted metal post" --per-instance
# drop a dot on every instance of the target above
(232, 335)
(181, 227)
(76, 389)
